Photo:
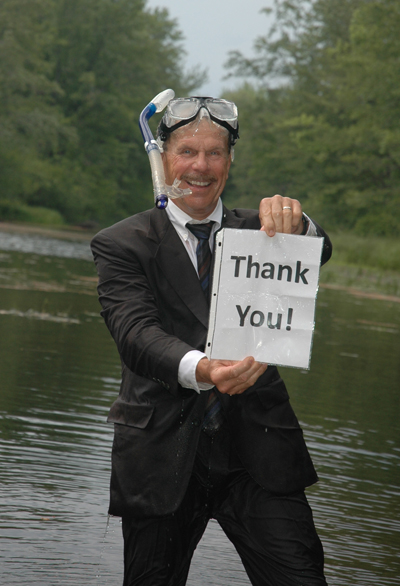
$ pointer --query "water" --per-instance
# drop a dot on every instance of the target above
(59, 373)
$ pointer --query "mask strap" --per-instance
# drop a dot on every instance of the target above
(233, 132)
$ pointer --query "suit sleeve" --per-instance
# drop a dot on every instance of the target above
(327, 247)
(131, 313)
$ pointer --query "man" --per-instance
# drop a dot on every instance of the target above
(195, 438)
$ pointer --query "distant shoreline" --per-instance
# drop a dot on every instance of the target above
(360, 293)
(342, 277)
(61, 233)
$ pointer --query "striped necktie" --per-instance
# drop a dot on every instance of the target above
(203, 253)
(213, 416)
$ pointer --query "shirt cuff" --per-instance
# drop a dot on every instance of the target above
(187, 371)
(311, 229)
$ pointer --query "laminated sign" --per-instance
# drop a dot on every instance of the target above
(263, 297)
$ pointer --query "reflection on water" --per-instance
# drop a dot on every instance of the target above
(59, 373)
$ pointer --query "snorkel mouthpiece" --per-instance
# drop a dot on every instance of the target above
(161, 190)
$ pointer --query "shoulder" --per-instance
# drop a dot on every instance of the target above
(246, 214)
(249, 218)
(150, 224)
(133, 237)
(136, 222)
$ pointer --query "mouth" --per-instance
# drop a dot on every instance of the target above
(199, 183)
(195, 181)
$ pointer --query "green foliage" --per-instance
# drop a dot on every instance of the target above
(328, 131)
(12, 211)
(369, 264)
(377, 252)
(40, 215)
(74, 76)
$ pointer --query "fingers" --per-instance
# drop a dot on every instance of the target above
(248, 378)
(281, 214)
(234, 378)
(240, 370)
(248, 369)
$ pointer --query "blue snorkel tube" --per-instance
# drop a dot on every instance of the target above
(161, 190)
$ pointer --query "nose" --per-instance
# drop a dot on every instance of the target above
(200, 162)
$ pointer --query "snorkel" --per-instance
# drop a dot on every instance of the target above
(161, 191)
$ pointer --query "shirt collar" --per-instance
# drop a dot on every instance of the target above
(179, 218)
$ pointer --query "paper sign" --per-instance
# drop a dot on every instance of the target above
(263, 297)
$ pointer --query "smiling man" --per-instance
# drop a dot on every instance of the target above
(197, 439)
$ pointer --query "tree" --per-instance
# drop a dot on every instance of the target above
(84, 70)
(330, 128)
(31, 123)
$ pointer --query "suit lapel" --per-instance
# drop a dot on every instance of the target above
(174, 262)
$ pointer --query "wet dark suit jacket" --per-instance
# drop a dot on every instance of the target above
(156, 311)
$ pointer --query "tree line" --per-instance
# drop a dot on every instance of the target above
(319, 109)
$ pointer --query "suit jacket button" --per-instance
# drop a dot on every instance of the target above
(266, 429)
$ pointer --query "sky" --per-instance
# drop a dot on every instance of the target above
(212, 28)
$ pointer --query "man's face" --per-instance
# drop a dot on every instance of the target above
(200, 159)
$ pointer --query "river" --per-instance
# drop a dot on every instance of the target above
(59, 373)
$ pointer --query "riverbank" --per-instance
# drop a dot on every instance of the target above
(362, 266)
(367, 265)
(60, 232)
(362, 281)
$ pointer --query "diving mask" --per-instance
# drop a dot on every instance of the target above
(182, 111)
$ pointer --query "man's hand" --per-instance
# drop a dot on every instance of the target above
(281, 214)
(229, 376)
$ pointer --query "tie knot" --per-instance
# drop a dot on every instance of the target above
(201, 231)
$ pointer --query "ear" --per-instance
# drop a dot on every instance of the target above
(228, 166)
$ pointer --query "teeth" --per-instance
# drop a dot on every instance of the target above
(200, 183)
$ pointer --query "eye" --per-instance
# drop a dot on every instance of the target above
(186, 151)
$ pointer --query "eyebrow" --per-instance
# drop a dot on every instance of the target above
(185, 146)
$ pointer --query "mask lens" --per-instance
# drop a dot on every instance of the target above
(223, 110)
(182, 109)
